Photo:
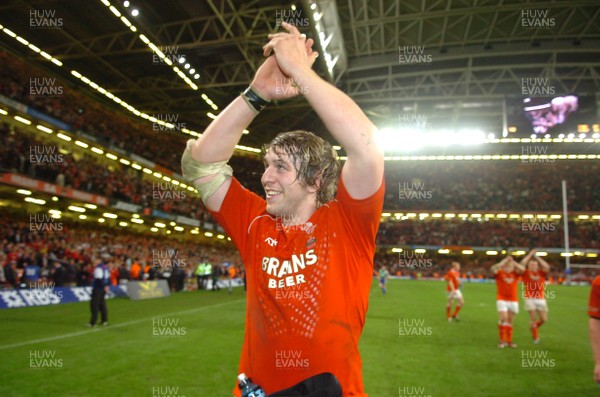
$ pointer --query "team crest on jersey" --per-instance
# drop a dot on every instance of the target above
(271, 241)
(308, 227)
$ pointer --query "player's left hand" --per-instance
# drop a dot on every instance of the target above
(597, 374)
(291, 49)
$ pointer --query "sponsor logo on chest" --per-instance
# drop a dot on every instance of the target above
(284, 273)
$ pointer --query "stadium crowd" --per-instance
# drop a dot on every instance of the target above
(67, 105)
(428, 186)
(64, 255)
(18, 81)
(85, 173)
(449, 185)
(491, 185)
(492, 233)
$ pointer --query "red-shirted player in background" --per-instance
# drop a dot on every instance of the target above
(307, 249)
(534, 285)
(507, 273)
(594, 313)
(453, 291)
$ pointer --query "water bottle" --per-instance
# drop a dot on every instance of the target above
(248, 388)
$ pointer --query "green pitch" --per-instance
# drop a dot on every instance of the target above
(188, 345)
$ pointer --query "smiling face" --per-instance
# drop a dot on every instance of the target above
(287, 196)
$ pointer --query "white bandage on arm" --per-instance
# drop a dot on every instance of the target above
(193, 170)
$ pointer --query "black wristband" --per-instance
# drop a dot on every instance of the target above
(254, 100)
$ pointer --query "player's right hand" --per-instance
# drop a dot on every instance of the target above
(271, 82)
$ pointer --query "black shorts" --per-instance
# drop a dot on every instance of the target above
(322, 385)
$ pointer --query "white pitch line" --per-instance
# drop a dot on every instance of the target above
(101, 328)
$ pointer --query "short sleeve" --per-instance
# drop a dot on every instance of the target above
(239, 208)
(594, 306)
(363, 214)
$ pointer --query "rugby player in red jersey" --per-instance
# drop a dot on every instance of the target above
(534, 286)
(506, 273)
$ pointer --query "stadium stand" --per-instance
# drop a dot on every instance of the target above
(511, 186)
(75, 245)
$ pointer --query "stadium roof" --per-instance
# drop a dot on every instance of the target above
(455, 61)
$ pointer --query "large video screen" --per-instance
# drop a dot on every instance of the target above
(556, 115)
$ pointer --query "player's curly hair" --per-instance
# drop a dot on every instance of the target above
(314, 159)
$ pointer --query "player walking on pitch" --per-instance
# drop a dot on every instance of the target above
(507, 273)
(453, 291)
(534, 285)
(305, 237)
(383, 277)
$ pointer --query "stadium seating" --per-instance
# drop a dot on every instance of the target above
(441, 186)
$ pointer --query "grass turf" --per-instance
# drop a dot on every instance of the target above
(408, 347)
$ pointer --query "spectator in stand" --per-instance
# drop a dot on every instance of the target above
(58, 274)
(484, 187)
(31, 274)
(216, 275)
(83, 275)
(136, 270)
(11, 274)
(123, 273)
(231, 273)
(114, 274)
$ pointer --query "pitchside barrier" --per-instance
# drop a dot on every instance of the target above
(45, 294)
(53, 296)
(138, 290)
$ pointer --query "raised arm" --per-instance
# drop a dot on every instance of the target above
(363, 172)
(218, 141)
(527, 257)
(519, 267)
(543, 264)
(495, 268)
